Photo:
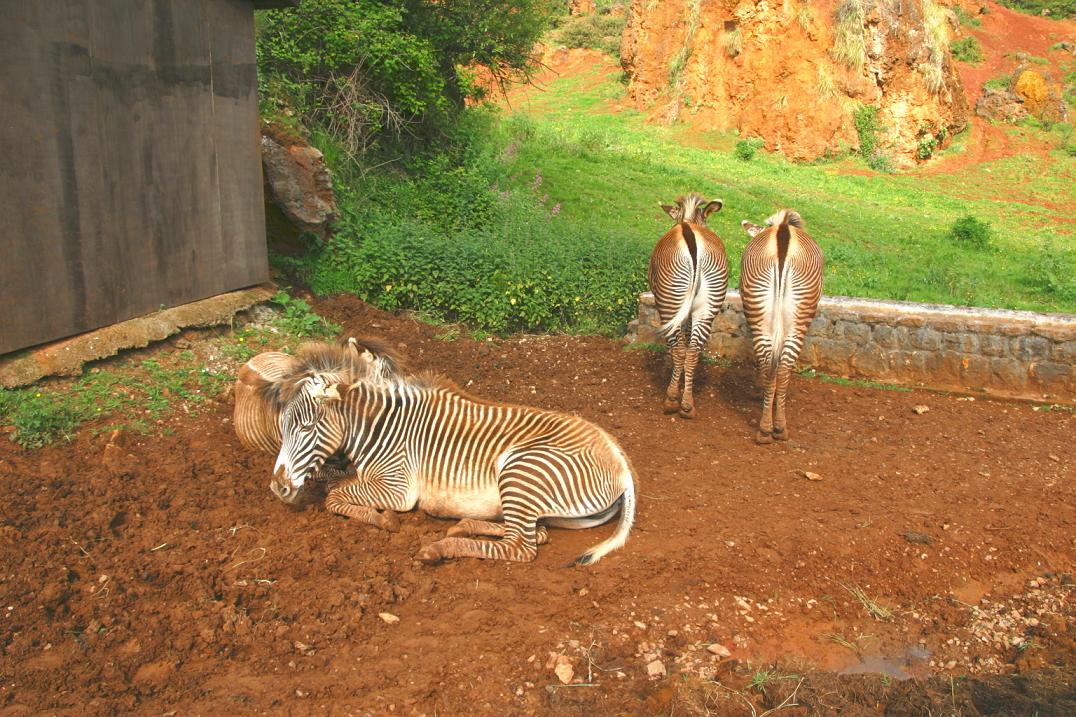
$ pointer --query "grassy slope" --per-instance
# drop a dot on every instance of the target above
(884, 235)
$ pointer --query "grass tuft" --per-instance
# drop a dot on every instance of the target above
(873, 608)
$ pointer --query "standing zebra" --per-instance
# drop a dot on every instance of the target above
(420, 441)
(780, 285)
(689, 275)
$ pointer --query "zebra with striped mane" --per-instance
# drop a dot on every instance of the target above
(256, 418)
(689, 276)
(419, 441)
(780, 286)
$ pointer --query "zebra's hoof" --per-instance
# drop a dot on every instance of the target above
(387, 520)
(780, 434)
(671, 405)
(687, 412)
(429, 554)
(763, 439)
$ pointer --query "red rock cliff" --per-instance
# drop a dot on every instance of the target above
(793, 72)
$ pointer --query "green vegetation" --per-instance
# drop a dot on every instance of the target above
(367, 71)
(849, 40)
(38, 416)
(969, 231)
(601, 30)
(965, 19)
(865, 119)
(134, 394)
(967, 49)
(542, 218)
(856, 382)
(746, 148)
(1001, 82)
(1057, 9)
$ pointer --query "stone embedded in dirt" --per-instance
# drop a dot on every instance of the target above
(304, 648)
(1054, 458)
(809, 475)
(639, 624)
(719, 650)
(564, 670)
(655, 669)
(921, 538)
(920, 409)
(388, 617)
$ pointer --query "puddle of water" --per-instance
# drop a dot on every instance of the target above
(895, 667)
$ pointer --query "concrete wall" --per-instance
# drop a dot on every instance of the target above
(1014, 354)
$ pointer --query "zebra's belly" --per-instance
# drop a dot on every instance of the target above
(456, 502)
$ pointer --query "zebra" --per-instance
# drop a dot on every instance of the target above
(689, 276)
(780, 286)
(419, 441)
(257, 423)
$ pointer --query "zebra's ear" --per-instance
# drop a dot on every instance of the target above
(249, 376)
(710, 208)
(751, 229)
(670, 209)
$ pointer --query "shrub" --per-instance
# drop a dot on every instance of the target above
(746, 148)
(971, 232)
(1056, 8)
(967, 49)
(865, 119)
(966, 19)
(849, 42)
(599, 31)
(364, 70)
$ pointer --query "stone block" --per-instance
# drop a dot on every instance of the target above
(1050, 375)
(1030, 348)
(820, 325)
(993, 345)
(963, 342)
(871, 361)
(927, 338)
(890, 337)
(975, 371)
(1009, 372)
(1064, 352)
(857, 333)
(833, 355)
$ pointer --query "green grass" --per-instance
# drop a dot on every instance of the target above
(885, 236)
(132, 394)
(856, 382)
(967, 49)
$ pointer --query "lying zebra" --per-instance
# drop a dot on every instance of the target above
(421, 442)
(257, 422)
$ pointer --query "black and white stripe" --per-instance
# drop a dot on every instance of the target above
(780, 285)
(689, 277)
(421, 442)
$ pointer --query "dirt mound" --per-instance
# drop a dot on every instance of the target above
(156, 574)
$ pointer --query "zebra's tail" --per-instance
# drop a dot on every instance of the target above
(623, 527)
(781, 329)
(684, 312)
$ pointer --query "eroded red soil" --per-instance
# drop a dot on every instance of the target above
(163, 577)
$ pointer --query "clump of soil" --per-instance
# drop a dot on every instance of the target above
(151, 574)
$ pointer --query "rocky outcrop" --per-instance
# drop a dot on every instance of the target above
(1029, 92)
(793, 73)
(297, 181)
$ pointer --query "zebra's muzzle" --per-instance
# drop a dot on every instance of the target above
(282, 487)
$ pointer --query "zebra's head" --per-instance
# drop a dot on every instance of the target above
(692, 208)
(311, 431)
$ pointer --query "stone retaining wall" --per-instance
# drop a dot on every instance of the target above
(1016, 354)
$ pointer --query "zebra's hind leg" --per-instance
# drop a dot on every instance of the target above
(765, 421)
(357, 498)
(687, 401)
(784, 375)
(471, 526)
(678, 351)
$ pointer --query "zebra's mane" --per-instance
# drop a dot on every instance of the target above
(343, 363)
(689, 207)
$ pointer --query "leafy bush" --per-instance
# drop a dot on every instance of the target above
(366, 70)
(966, 19)
(969, 231)
(1057, 8)
(600, 30)
(865, 119)
(967, 49)
(746, 148)
(1054, 271)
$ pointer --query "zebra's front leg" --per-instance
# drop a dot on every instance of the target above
(373, 501)
(678, 351)
(488, 528)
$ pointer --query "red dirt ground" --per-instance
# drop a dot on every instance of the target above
(162, 577)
